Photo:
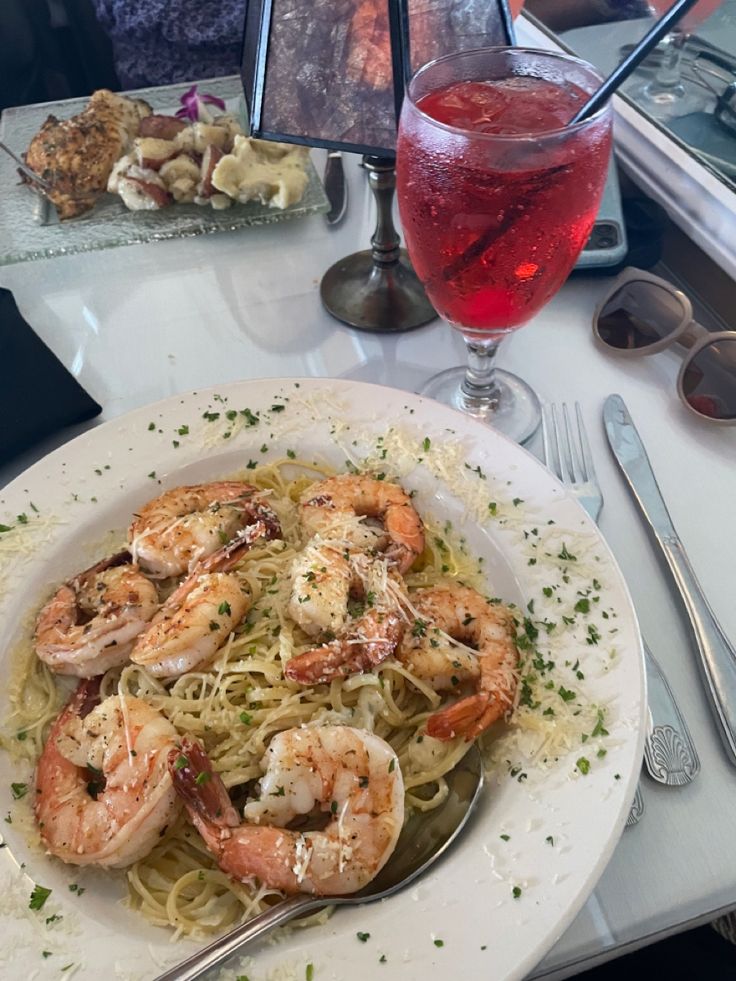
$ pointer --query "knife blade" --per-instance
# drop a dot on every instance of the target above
(336, 188)
(717, 654)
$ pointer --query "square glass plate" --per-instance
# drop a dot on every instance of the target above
(29, 228)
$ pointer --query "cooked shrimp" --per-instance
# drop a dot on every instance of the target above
(352, 775)
(90, 623)
(321, 577)
(320, 596)
(183, 525)
(367, 644)
(329, 508)
(466, 616)
(103, 791)
(198, 617)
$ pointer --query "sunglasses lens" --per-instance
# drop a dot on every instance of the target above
(709, 380)
(639, 314)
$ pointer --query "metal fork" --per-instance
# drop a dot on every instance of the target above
(669, 751)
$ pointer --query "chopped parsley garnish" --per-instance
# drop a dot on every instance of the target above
(279, 792)
(203, 777)
(550, 840)
(419, 629)
(598, 729)
(566, 556)
(492, 507)
(291, 454)
(183, 430)
(593, 635)
(181, 762)
(517, 501)
(38, 897)
(214, 625)
(426, 443)
(516, 892)
(392, 766)
(309, 973)
(505, 837)
(224, 609)
(333, 807)
(565, 694)
(439, 943)
(246, 718)
(19, 790)
(583, 765)
(79, 890)
(362, 936)
(211, 416)
(382, 959)
(582, 606)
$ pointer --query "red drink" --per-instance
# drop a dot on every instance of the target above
(498, 200)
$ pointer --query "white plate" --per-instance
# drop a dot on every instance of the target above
(92, 485)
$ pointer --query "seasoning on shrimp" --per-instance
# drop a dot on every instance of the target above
(461, 613)
(103, 792)
(175, 530)
(349, 774)
(90, 623)
(319, 599)
(198, 617)
(330, 509)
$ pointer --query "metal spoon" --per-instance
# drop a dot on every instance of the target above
(425, 837)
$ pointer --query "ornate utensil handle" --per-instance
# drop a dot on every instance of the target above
(717, 654)
(637, 809)
(669, 752)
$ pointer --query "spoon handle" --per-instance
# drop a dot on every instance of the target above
(223, 947)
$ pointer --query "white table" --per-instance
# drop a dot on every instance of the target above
(142, 323)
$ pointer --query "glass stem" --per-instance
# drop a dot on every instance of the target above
(479, 381)
(670, 71)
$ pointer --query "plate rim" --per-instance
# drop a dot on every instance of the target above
(332, 386)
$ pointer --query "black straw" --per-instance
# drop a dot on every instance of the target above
(627, 66)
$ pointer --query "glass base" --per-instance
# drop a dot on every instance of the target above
(671, 102)
(515, 411)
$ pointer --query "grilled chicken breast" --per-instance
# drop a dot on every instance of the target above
(75, 156)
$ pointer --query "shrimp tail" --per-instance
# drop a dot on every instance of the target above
(468, 717)
(265, 527)
(203, 792)
(111, 562)
(87, 696)
(352, 654)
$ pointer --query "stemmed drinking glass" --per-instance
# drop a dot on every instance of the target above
(668, 95)
(497, 194)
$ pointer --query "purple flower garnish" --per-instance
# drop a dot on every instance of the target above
(194, 106)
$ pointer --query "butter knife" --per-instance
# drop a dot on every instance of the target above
(336, 188)
(717, 655)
